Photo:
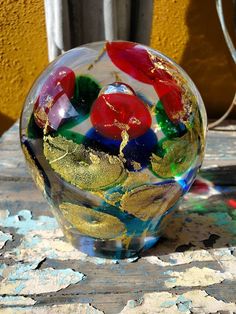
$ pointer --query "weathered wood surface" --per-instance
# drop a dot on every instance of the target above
(192, 269)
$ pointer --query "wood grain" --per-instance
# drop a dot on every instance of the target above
(207, 242)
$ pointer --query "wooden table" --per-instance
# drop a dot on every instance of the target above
(192, 269)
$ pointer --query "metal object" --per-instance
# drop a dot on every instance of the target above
(57, 25)
(70, 23)
(229, 42)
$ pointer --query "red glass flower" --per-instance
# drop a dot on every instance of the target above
(139, 63)
(53, 103)
(113, 113)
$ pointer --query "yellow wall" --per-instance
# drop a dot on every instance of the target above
(23, 53)
(189, 32)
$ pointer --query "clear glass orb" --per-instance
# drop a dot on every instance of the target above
(114, 134)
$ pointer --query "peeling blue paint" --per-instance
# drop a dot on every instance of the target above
(183, 304)
(2, 268)
(52, 255)
(13, 299)
(173, 260)
(19, 288)
(167, 304)
(181, 299)
(5, 237)
(225, 252)
(20, 271)
(171, 280)
(22, 275)
(64, 274)
(27, 224)
(184, 307)
(134, 303)
(32, 242)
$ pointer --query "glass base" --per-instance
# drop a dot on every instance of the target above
(113, 249)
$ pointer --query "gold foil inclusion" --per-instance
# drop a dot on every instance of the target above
(98, 58)
(159, 63)
(125, 140)
(84, 168)
(92, 223)
(179, 155)
(198, 126)
(116, 76)
(150, 201)
(134, 120)
(136, 165)
(113, 198)
(135, 179)
(180, 152)
(109, 104)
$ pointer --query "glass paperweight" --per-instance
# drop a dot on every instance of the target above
(114, 134)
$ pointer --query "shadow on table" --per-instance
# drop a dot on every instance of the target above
(220, 176)
(206, 218)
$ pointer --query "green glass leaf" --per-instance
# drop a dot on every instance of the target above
(180, 153)
(86, 91)
(85, 168)
(170, 129)
(70, 135)
(33, 131)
